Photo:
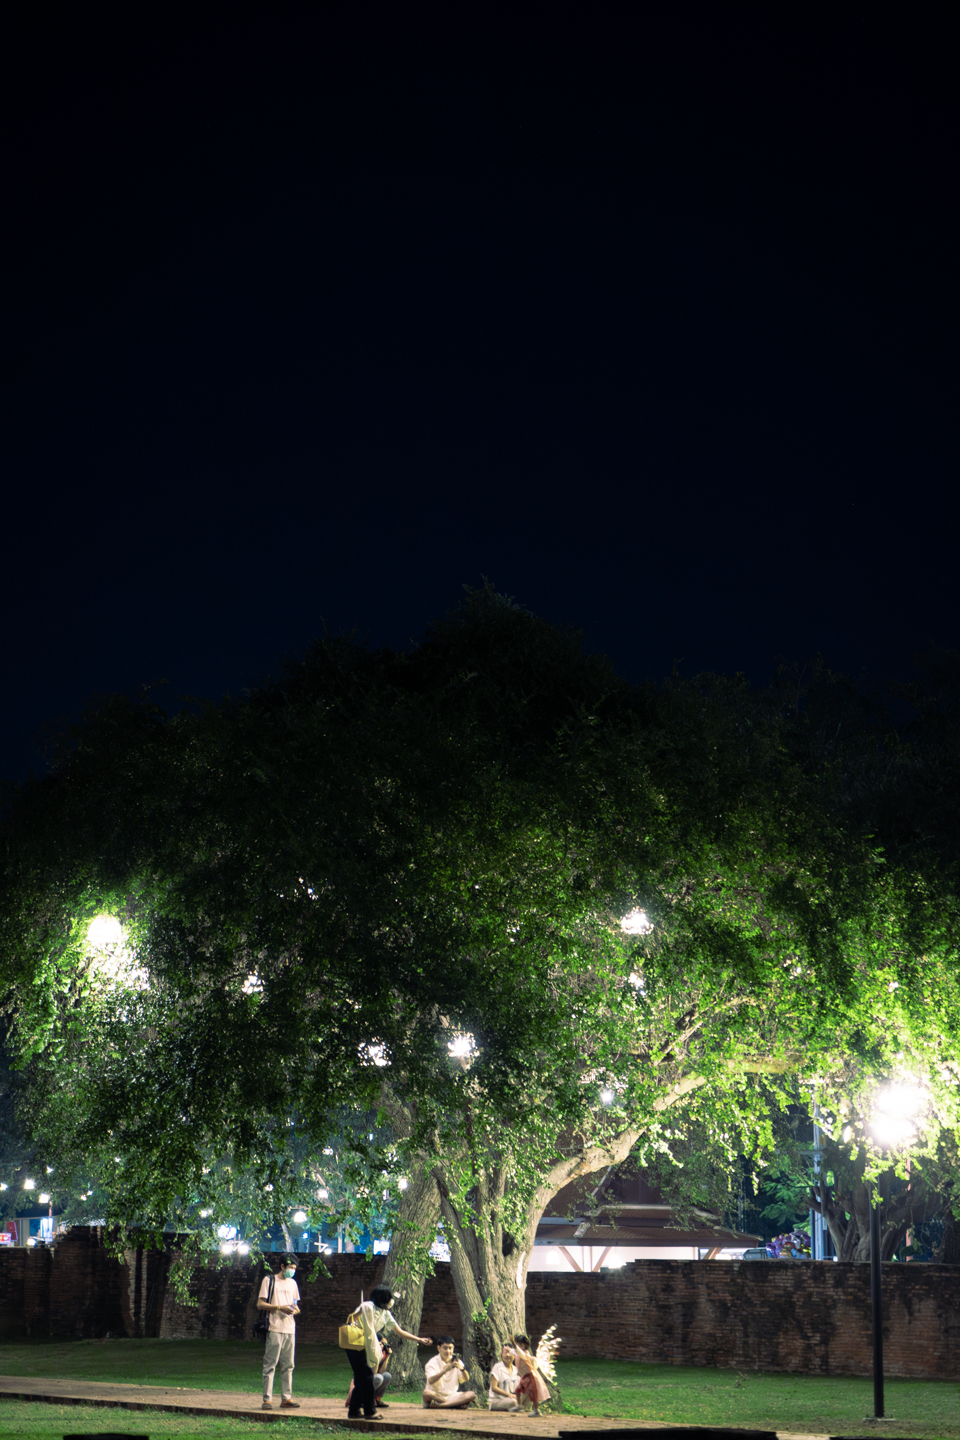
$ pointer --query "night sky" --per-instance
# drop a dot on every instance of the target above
(646, 313)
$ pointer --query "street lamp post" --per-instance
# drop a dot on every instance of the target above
(897, 1117)
(876, 1304)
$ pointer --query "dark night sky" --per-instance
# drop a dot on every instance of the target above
(653, 321)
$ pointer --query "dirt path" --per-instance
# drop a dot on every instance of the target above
(239, 1405)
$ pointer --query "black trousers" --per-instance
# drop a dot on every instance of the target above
(362, 1385)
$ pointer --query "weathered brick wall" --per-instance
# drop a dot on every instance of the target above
(13, 1269)
(775, 1316)
(778, 1316)
(327, 1303)
(71, 1293)
(226, 1296)
(225, 1301)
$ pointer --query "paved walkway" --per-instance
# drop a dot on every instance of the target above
(397, 1417)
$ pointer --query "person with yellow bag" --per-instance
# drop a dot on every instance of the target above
(360, 1338)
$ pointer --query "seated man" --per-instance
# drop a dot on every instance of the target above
(444, 1374)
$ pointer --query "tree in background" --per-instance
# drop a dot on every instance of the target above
(398, 882)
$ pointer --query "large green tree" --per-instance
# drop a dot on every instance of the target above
(396, 882)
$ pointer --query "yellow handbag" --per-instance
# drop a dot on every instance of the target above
(351, 1334)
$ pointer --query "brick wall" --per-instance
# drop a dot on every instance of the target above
(13, 1270)
(775, 1316)
(71, 1293)
(226, 1296)
(811, 1319)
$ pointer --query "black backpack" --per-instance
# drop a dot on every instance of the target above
(261, 1326)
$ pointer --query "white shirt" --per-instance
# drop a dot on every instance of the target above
(439, 1378)
(383, 1321)
(285, 1292)
(506, 1379)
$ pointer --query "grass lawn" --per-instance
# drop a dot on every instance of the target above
(36, 1421)
(928, 1410)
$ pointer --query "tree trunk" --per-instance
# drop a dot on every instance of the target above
(847, 1214)
(408, 1265)
(948, 1251)
(489, 1272)
(488, 1263)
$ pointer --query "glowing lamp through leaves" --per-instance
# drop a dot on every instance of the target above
(104, 933)
(373, 1055)
(461, 1047)
(105, 940)
(897, 1113)
(636, 923)
(299, 1217)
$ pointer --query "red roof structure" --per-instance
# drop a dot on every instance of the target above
(628, 1211)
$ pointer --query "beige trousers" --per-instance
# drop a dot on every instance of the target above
(278, 1355)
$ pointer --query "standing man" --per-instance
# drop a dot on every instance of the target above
(282, 1309)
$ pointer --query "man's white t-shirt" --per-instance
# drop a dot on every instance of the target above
(285, 1292)
(506, 1379)
(439, 1378)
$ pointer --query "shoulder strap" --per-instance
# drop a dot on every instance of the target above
(270, 1291)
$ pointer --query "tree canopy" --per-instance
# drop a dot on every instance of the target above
(397, 882)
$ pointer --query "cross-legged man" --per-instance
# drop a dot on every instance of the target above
(444, 1374)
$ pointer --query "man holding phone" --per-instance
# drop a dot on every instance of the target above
(282, 1307)
(445, 1373)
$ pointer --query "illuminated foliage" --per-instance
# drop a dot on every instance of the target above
(325, 887)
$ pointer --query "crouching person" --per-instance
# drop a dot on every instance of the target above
(445, 1374)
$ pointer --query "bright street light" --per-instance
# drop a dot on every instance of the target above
(636, 923)
(105, 940)
(461, 1046)
(373, 1055)
(299, 1217)
(897, 1111)
(104, 932)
